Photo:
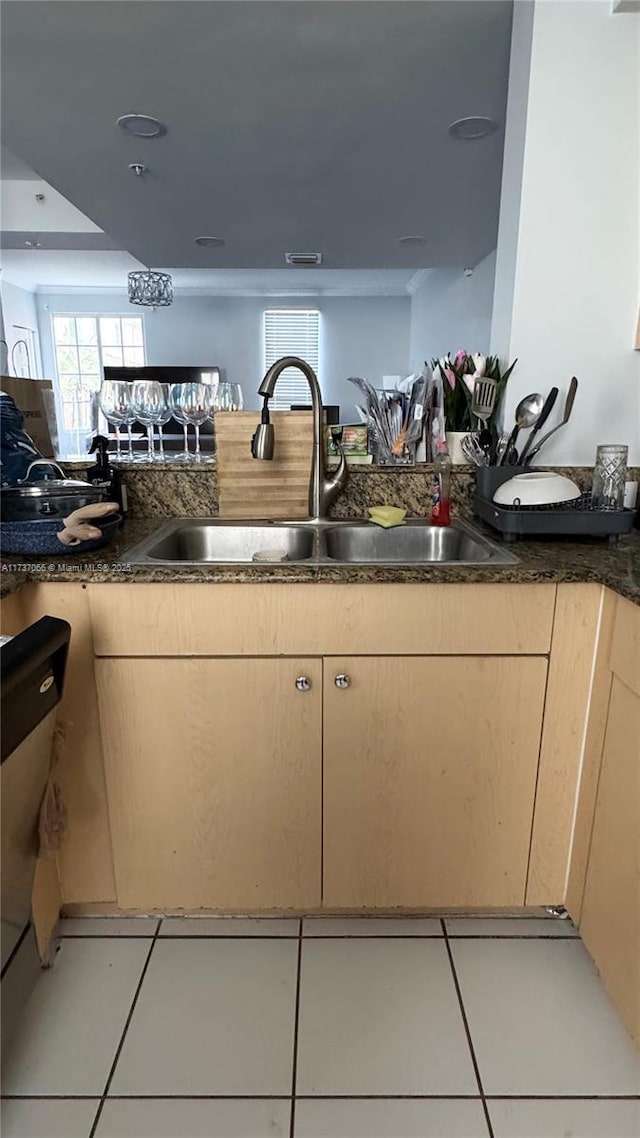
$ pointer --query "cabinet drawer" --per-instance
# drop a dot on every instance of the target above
(301, 620)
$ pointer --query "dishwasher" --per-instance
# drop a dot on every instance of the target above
(32, 672)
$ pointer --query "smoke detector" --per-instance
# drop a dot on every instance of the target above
(304, 259)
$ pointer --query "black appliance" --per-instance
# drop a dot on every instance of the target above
(32, 673)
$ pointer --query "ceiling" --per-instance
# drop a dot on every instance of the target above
(303, 126)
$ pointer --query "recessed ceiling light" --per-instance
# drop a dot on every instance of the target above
(475, 126)
(209, 242)
(141, 126)
(412, 239)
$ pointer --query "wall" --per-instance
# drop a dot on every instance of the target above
(367, 336)
(576, 274)
(19, 310)
(451, 311)
(512, 167)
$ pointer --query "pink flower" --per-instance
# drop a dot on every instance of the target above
(470, 381)
(459, 358)
(480, 363)
(451, 377)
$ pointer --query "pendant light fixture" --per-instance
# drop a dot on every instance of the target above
(151, 289)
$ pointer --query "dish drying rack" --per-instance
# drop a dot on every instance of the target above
(578, 518)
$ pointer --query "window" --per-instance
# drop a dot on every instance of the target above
(291, 332)
(84, 345)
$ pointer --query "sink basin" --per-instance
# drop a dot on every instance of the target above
(211, 542)
(199, 542)
(408, 544)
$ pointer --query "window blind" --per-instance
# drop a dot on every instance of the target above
(291, 332)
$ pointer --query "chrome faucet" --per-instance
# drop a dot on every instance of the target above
(322, 488)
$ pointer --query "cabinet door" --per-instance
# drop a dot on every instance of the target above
(429, 780)
(214, 781)
(610, 923)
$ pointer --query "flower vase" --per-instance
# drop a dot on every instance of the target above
(454, 446)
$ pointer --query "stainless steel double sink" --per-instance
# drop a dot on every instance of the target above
(184, 541)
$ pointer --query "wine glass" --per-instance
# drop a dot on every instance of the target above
(147, 401)
(224, 397)
(193, 400)
(163, 415)
(176, 401)
(115, 403)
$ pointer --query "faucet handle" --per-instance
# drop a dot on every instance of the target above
(263, 438)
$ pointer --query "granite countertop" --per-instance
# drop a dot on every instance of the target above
(618, 567)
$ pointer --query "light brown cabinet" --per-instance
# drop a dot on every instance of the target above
(610, 919)
(430, 770)
(200, 784)
(213, 770)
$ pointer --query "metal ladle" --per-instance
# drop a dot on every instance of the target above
(527, 415)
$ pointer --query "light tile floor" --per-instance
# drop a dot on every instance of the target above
(327, 1028)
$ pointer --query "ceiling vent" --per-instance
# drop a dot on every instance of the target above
(305, 259)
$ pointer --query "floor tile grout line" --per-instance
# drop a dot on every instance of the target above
(323, 936)
(124, 1031)
(296, 1022)
(321, 1098)
(465, 1021)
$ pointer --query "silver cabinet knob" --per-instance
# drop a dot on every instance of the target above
(303, 683)
(342, 681)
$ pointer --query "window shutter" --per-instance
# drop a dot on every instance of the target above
(291, 332)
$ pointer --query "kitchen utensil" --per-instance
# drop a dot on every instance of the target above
(483, 399)
(412, 426)
(568, 407)
(549, 404)
(527, 414)
(536, 488)
(608, 477)
(49, 497)
(500, 448)
(473, 452)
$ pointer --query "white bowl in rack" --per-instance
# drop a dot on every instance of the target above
(536, 488)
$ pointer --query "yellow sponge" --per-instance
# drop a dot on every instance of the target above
(387, 516)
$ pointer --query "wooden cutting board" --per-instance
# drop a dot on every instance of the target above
(251, 488)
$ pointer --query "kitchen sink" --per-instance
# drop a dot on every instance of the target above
(205, 541)
(208, 541)
(408, 544)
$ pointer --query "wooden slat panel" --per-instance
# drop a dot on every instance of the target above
(610, 922)
(249, 488)
(575, 633)
(625, 649)
(300, 620)
(592, 759)
(84, 862)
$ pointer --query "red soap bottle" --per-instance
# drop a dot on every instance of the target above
(441, 503)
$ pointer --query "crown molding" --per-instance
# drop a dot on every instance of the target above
(418, 278)
(239, 293)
